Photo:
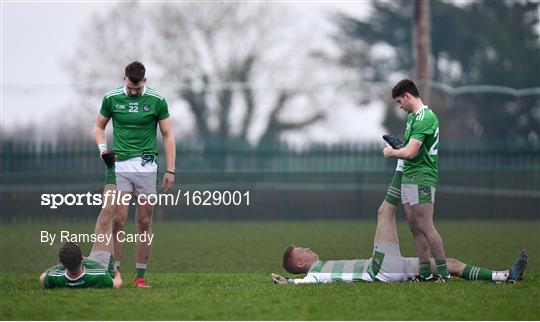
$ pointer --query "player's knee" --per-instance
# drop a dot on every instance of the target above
(119, 222)
(120, 214)
(424, 227)
(413, 225)
(143, 223)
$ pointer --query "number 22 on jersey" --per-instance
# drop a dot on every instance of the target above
(434, 150)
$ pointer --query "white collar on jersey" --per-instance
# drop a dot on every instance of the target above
(75, 278)
(143, 91)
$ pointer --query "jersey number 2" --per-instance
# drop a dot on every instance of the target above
(434, 150)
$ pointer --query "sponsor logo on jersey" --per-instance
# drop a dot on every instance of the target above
(120, 107)
(81, 282)
(146, 107)
(424, 191)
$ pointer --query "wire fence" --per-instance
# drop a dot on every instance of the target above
(346, 181)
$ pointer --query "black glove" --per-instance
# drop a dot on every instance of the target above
(109, 158)
(393, 140)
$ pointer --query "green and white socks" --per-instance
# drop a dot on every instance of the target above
(440, 264)
(141, 269)
(425, 270)
(442, 269)
(473, 273)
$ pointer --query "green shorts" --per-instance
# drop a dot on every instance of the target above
(417, 194)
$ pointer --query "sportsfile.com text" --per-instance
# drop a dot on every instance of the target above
(182, 197)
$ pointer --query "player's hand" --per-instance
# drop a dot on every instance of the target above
(108, 157)
(393, 141)
(388, 151)
(278, 279)
(168, 181)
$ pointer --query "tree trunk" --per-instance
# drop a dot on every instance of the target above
(422, 46)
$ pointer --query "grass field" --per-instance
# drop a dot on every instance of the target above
(220, 271)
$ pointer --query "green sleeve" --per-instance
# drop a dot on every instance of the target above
(105, 108)
(99, 281)
(163, 111)
(421, 129)
(47, 281)
(50, 281)
(107, 280)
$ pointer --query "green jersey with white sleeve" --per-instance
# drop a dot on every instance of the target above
(337, 271)
(93, 275)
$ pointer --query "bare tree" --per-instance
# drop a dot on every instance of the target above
(110, 41)
(237, 66)
(220, 54)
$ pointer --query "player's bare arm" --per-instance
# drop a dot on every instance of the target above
(42, 278)
(408, 152)
(99, 129)
(169, 147)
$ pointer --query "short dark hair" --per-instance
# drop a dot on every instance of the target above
(288, 264)
(405, 86)
(70, 256)
(135, 72)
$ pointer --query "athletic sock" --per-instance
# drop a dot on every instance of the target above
(442, 269)
(141, 269)
(473, 273)
(425, 269)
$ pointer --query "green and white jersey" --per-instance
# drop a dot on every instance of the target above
(337, 271)
(422, 126)
(93, 275)
(135, 120)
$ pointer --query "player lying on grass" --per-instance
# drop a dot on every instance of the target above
(98, 269)
(386, 264)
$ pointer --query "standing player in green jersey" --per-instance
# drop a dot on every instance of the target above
(97, 270)
(386, 264)
(420, 177)
(136, 111)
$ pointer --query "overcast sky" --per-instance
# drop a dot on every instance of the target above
(39, 37)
